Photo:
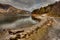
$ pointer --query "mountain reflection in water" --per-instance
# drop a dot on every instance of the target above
(20, 23)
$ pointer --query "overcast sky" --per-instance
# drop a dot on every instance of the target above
(28, 4)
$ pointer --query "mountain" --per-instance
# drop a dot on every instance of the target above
(50, 10)
(9, 13)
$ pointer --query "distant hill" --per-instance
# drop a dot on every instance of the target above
(9, 13)
(50, 10)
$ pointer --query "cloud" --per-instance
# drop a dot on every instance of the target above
(28, 4)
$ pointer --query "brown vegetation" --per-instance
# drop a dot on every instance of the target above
(50, 10)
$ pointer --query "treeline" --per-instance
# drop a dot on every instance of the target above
(50, 10)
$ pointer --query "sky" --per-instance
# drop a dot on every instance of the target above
(28, 4)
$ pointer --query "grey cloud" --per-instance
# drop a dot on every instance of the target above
(28, 4)
(23, 3)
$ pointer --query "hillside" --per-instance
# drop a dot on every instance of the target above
(9, 13)
(50, 10)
